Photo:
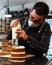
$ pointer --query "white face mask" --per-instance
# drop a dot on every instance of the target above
(31, 24)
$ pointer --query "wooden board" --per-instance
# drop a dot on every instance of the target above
(9, 56)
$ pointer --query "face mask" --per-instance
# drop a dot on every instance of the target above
(31, 24)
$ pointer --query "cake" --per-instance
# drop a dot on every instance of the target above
(18, 51)
(6, 45)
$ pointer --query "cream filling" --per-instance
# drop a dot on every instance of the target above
(17, 60)
(17, 52)
(19, 47)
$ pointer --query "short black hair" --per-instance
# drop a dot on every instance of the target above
(41, 8)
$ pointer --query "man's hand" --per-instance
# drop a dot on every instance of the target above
(10, 42)
(14, 23)
(21, 34)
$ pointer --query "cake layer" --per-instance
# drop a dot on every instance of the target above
(18, 55)
(17, 50)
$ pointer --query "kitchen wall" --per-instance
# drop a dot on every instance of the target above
(20, 7)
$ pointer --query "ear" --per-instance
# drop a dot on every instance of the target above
(43, 17)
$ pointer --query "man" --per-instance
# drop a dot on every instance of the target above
(36, 35)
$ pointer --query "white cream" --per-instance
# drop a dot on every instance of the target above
(17, 52)
(19, 47)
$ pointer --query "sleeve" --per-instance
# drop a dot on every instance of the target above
(9, 34)
(43, 43)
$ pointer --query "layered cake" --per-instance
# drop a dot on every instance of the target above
(18, 51)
